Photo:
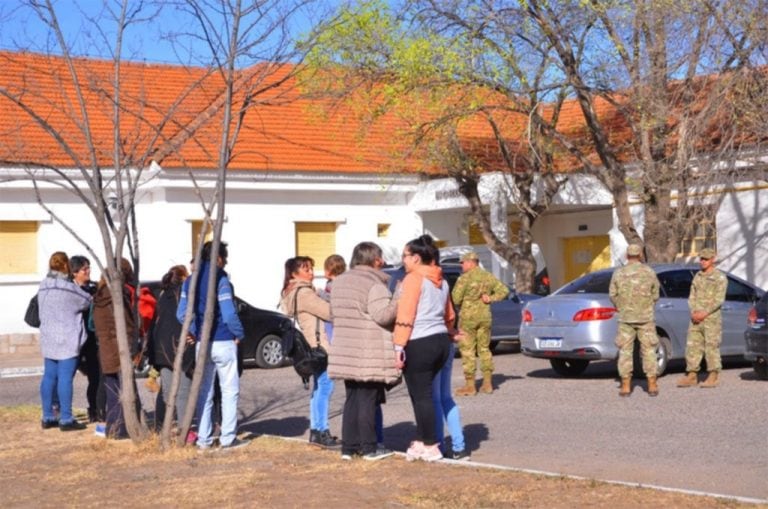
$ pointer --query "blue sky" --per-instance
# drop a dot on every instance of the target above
(86, 23)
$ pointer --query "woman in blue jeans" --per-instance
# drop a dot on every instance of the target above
(300, 299)
(62, 333)
(446, 407)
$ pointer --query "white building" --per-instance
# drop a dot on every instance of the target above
(311, 187)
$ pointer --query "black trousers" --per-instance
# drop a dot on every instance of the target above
(89, 364)
(358, 423)
(424, 357)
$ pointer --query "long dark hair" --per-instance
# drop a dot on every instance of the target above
(292, 266)
(175, 276)
(424, 246)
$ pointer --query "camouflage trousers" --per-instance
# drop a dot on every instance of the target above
(476, 344)
(625, 340)
(704, 341)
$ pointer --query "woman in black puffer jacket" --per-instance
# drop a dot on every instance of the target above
(164, 341)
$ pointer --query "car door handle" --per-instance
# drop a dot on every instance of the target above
(727, 308)
(664, 306)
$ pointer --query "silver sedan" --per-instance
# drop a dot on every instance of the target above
(578, 323)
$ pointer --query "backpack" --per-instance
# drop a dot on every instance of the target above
(307, 360)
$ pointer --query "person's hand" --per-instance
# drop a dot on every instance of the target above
(457, 335)
(400, 359)
(698, 316)
(190, 339)
(485, 298)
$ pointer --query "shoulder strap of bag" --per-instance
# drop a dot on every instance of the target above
(296, 314)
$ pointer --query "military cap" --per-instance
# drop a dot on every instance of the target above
(469, 256)
(634, 250)
(707, 253)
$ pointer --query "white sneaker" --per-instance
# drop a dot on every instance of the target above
(415, 451)
(432, 453)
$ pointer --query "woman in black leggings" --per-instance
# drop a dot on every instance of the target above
(422, 338)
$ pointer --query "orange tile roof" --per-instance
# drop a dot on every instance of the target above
(283, 131)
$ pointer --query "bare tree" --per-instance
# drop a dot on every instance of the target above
(659, 90)
(67, 101)
(107, 128)
(249, 49)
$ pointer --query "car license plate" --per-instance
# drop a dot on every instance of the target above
(550, 342)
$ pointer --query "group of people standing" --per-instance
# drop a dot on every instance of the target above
(375, 338)
(378, 338)
(77, 331)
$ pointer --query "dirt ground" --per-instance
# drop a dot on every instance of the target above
(48, 468)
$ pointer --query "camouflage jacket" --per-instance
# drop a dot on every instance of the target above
(634, 291)
(470, 287)
(708, 292)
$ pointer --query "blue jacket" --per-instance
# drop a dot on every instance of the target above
(226, 323)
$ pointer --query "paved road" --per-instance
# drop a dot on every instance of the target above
(707, 440)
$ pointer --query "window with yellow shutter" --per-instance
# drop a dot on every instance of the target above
(197, 227)
(19, 252)
(316, 240)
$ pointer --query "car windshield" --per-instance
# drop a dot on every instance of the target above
(591, 283)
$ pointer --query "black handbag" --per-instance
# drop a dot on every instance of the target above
(32, 316)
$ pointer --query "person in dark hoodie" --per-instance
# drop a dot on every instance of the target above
(221, 359)
(109, 355)
(164, 342)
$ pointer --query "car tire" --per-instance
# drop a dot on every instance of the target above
(663, 352)
(492, 347)
(269, 352)
(569, 367)
(761, 368)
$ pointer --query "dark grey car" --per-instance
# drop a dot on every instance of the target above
(578, 323)
(756, 337)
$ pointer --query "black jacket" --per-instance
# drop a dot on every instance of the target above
(164, 332)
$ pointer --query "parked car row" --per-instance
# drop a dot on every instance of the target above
(756, 337)
(578, 323)
(574, 326)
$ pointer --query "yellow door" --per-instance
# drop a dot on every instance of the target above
(585, 254)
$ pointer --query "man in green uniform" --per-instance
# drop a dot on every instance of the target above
(473, 293)
(634, 290)
(706, 327)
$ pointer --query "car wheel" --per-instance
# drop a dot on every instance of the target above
(269, 352)
(492, 347)
(761, 368)
(569, 367)
(663, 352)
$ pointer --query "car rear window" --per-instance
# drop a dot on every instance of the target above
(591, 283)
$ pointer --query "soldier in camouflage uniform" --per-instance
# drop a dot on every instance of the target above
(706, 327)
(634, 290)
(475, 290)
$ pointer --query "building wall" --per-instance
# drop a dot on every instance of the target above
(742, 233)
(259, 228)
(551, 228)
